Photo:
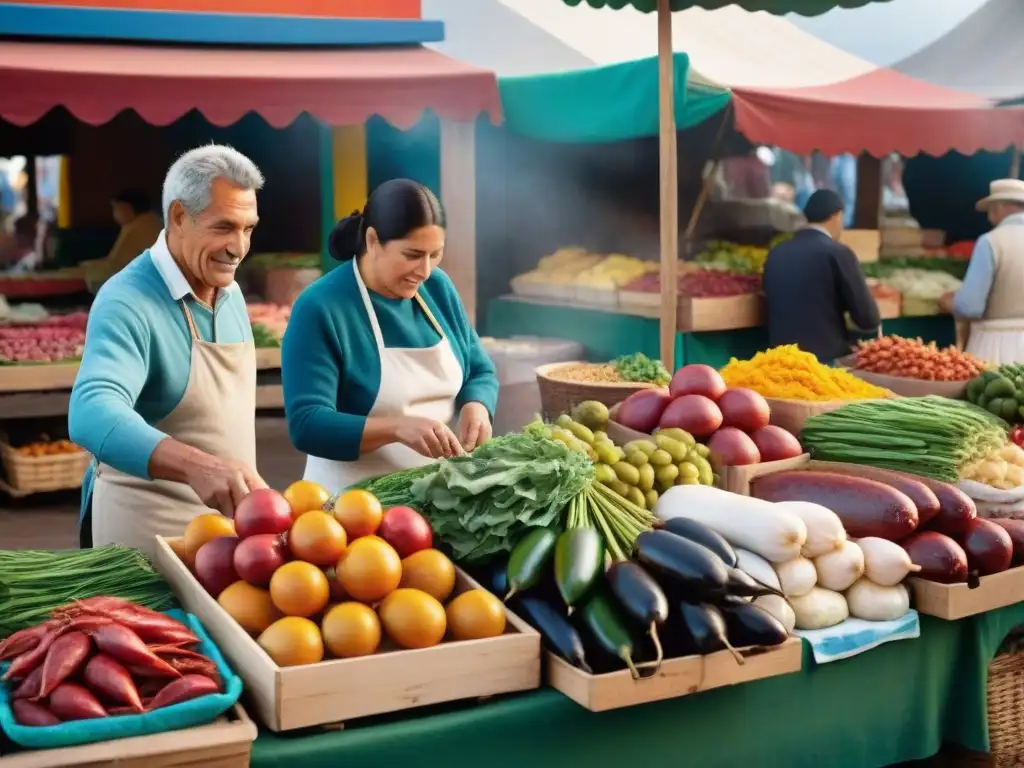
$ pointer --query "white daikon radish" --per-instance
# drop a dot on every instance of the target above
(819, 609)
(872, 602)
(886, 563)
(841, 567)
(757, 568)
(797, 576)
(824, 528)
(764, 528)
(779, 608)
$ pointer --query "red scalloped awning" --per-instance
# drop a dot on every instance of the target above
(879, 112)
(339, 87)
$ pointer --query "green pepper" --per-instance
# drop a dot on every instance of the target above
(529, 558)
(579, 563)
(609, 630)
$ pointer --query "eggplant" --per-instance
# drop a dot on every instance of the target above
(579, 563)
(956, 508)
(641, 597)
(530, 559)
(988, 546)
(1016, 530)
(559, 635)
(706, 629)
(742, 584)
(611, 634)
(749, 624)
(694, 568)
(495, 577)
(699, 533)
(941, 559)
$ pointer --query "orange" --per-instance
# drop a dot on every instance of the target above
(317, 538)
(369, 570)
(430, 571)
(292, 641)
(299, 589)
(250, 606)
(475, 614)
(204, 528)
(359, 512)
(178, 547)
(305, 496)
(351, 629)
(413, 619)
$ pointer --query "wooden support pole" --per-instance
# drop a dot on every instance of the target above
(1015, 163)
(668, 188)
(458, 190)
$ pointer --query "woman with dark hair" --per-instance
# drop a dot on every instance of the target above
(379, 354)
(140, 227)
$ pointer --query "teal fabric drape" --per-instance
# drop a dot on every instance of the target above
(617, 102)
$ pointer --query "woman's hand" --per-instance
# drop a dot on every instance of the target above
(474, 426)
(427, 437)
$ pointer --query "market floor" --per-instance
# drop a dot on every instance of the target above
(49, 521)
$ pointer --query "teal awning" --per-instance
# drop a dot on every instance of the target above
(617, 102)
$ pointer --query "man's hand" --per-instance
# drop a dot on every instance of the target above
(427, 437)
(474, 426)
(946, 302)
(221, 484)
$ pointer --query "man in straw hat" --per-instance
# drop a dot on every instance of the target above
(992, 295)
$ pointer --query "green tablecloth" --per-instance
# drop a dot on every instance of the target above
(607, 335)
(895, 703)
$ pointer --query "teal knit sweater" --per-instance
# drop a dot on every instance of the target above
(331, 369)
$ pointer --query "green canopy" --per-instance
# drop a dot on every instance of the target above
(778, 7)
(617, 102)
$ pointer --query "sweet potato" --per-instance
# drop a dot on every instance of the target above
(917, 491)
(128, 648)
(22, 641)
(104, 675)
(22, 666)
(151, 626)
(70, 701)
(29, 688)
(65, 656)
(865, 507)
(30, 713)
(183, 689)
(956, 508)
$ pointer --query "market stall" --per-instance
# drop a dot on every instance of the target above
(773, 102)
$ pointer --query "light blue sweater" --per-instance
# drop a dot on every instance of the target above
(137, 360)
(330, 366)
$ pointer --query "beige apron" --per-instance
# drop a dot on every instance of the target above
(217, 415)
(413, 382)
(1000, 342)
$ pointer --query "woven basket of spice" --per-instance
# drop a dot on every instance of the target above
(564, 385)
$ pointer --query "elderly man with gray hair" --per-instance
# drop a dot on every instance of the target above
(165, 397)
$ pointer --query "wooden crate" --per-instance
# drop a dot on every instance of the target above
(677, 677)
(720, 314)
(37, 377)
(36, 474)
(905, 387)
(225, 743)
(957, 601)
(738, 479)
(865, 243)
(333, 691)
(268, 358)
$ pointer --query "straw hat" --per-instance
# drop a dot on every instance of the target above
(1003, 190)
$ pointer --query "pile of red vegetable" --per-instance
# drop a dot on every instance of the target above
(936, 523)
(733, 422)
(702, 283)
(101, 657)
(913, 359)
(53, 340)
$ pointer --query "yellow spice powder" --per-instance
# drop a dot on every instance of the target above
(789, 373)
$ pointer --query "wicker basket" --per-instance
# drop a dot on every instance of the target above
(56, 472)
(1006, 710)
(558, 396)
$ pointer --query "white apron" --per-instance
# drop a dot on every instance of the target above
(217, 415)
(413, 382)
(1000, 342)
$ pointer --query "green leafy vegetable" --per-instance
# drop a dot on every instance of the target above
(639, 367)
(262, 337)
(481, 504)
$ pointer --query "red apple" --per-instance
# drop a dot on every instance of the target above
(262, 511)
(257, 557)
(215, 566)
(406, 530)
